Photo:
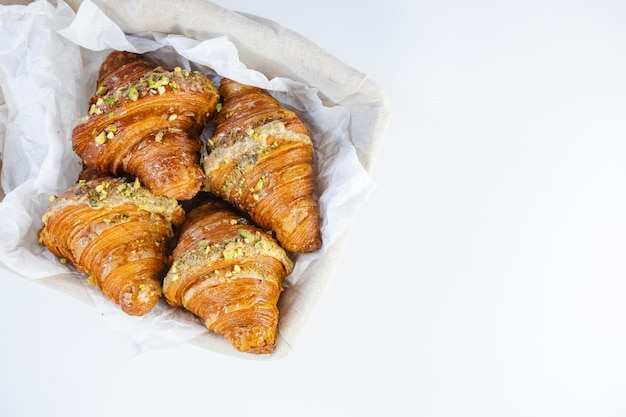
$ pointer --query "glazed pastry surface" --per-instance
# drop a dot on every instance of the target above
(146, 121)
(118, 233)
(260, 160)
(228, 272)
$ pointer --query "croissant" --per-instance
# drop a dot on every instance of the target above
(228, 272)
(118, 233)
(260, 160)
(146, 121)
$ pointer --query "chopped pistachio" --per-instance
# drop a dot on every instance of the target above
(247, 236)
(133, 94)
(160, 81)
(244, 233)
(110, 115)
(259, 184)
(218, 107)
(159, 137)
(102, 90)
(101, 138)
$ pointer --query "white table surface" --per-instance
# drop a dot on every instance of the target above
(484, 277)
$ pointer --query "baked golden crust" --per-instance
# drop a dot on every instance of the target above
(145, 121)
(118, 234)
(260, 160)
(228, 272)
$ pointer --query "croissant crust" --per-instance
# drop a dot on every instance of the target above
(118, 234)
(260, 160)
(146, 121)
(228, 272)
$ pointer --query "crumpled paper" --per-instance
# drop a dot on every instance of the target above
(49, 59)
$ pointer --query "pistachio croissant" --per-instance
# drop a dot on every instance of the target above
(146, 121)
(260, 160)
(228, 272)
(116, 232)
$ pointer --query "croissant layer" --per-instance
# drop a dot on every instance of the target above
(118, 234)
(260, 160)
(229, 273)
(146, 121)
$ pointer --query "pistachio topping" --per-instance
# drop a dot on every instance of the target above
(245, 152)
(102, 90)
(155, 82)
(115, 192)
(132, 93)
(245, 243)
(101, 138)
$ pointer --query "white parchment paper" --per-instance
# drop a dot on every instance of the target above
(49, 60)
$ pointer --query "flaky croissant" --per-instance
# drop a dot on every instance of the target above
(145, 121)
(260, 160)
(228, 272)
(118, 233)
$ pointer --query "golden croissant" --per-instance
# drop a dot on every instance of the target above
(146, 121)
(118, 233)
(228, 272)
(260, 160)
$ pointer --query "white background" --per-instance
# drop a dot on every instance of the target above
(485, 276)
